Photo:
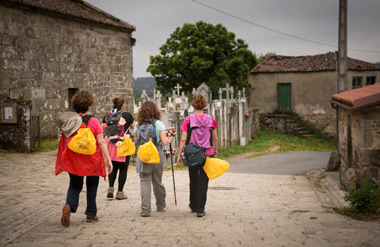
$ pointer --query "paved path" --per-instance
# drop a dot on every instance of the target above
(242, 210)
(291, 163)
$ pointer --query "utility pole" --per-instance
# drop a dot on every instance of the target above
(341, 60)
(342, 47)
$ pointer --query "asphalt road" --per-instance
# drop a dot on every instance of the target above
(291, 163)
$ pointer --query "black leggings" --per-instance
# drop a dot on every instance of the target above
(123, 167)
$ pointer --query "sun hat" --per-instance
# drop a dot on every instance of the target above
(69, 123)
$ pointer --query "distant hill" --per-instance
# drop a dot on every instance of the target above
(143, 83)
(378, 63)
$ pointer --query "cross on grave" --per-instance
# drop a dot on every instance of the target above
(243, 92)
(178, 87)
(144, 96)
(158, 98)
(183, 98)
(239, 95)
(229, 92)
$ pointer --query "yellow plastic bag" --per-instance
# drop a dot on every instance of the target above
(148, 153)
(83, 142)
(126, 148)
(215, 167)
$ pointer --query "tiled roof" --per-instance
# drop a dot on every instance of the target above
(321, 62)
(359, 98)
(72, 8)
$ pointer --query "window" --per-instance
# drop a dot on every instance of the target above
(357, 82)
(72, 91)
(371, 80)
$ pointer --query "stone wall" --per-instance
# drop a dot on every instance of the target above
(359, 145)
(43, 57)
(17, 136)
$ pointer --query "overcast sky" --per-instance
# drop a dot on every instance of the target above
(312, 20)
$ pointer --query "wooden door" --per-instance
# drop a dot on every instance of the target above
(284, 97)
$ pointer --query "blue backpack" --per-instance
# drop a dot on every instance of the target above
(147, 131)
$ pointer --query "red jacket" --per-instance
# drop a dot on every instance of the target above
(79, 164)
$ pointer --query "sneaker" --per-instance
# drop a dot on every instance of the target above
(92, 218)
(65, 220)
(121, 196)
(110, 192)
(144, 214)
(201, 214)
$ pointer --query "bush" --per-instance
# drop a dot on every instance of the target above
(366, 198)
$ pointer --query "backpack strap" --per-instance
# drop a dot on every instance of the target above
(86, 118)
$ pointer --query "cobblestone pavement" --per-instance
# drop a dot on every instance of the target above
(242, 210)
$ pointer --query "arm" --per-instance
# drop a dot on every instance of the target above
(215, 141)
(103, 147)
(181, 145)
(164, 140)
(132, 127)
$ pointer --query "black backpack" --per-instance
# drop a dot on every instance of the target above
(114, 131)
(193, 155)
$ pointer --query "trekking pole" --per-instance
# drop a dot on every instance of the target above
(171, 132)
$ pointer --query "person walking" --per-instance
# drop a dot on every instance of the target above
(200, 129)
(119, 163)
(152, 173)
(78, 165)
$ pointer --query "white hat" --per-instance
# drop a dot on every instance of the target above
(69, 123)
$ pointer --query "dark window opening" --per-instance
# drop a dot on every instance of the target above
(71, 93)
(370, 80)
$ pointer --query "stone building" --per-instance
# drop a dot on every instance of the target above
(359, 133)
(50, 49)
(304, 85)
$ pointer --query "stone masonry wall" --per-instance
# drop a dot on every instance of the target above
(17, 137)
(42, 56)
(359, 145)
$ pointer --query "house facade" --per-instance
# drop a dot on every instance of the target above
(304, 85)
(51, 49)
(359, 134)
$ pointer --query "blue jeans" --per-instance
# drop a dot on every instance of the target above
(76, 185)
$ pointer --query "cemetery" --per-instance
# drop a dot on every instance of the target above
(232, 114)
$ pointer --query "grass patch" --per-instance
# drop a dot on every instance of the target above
(48, 145)
(269, 139)
(355, 214)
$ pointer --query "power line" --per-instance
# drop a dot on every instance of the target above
(273, 30)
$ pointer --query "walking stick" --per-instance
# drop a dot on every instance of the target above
(171, 132)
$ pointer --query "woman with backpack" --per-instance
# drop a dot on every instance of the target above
(78, 165)
(200, 129)
(149, 125)
(126, 122)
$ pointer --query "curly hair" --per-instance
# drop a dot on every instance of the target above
(81, 101)
(118, 102)
(199, 102)
(148, 112)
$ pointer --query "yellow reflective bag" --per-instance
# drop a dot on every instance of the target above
(126, 148)
(83, 142)
(215, 167)
(148, 153)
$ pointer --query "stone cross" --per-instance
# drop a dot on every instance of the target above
(220, 93)
(228, 90)
(183, 97)
(154, 93)
(178, 87)
(239, 95)
(144, 96)
(243, 92)
(158, 98)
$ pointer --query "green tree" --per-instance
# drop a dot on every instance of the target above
(261, 57)
(202, 53)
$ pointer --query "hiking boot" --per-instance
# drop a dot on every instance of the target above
(65, 220)
(92, 218)
(121, 196)
(144, 214)
(110, 192)
(201, 214)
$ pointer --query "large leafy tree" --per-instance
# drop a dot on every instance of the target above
(202, 53)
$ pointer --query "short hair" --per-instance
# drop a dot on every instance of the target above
(199, 102)
(81, 101)
(118, 102)
(148, 111)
